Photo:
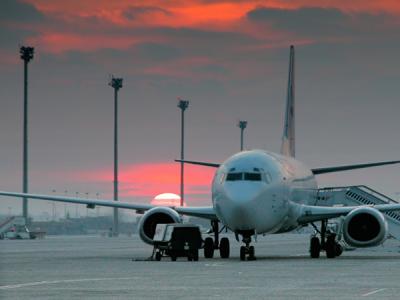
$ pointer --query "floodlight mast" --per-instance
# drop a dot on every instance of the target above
(26, 55)
(116, 84)
(183, 105)
(242, 125)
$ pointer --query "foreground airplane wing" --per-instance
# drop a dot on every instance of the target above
(206, 212)
(311, 214)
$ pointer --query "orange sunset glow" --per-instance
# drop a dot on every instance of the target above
(151, 179)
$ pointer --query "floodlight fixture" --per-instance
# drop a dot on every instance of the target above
(242, 125)
(183, 105)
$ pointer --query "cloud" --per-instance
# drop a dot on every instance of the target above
(132, 13)
(14, 10)
(16, 25)
(311, 19)
(318, 22)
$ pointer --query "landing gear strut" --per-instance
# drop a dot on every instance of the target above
(211, 244)
(247, 250)
(327, 242)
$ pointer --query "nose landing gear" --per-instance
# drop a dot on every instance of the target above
(247, 250)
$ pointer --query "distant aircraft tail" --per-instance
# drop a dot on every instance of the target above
(288, 138)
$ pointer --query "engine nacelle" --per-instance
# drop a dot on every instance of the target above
(157, 215)
(365, 227)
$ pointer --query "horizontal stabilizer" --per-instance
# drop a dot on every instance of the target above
(206, 164)
(352, 167)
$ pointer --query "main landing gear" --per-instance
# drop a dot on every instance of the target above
(327, 242)
(211, 244)
(247, 250)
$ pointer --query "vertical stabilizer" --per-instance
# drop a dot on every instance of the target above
(288, 138)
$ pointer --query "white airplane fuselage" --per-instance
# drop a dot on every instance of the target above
(261, 191)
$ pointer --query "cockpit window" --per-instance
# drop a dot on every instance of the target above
(252, 176)
(234, 176)
(247, 176)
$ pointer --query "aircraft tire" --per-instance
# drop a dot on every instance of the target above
(158, 256)
(224, 248)
(208, 248)
(338, 249)
(196, 255)
(242, 253)
(315, 247)
(330, 247)
(251, 253)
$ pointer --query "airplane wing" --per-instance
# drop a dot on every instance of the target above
(352, 167)
(311, 214)
(316, 171)
(206, 212)
(201, 163)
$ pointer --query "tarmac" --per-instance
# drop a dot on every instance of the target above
(94, 267)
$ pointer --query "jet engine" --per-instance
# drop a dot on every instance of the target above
(365, 227)
(157, 215)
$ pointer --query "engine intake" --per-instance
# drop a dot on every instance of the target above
(153, 217)
(365, 227)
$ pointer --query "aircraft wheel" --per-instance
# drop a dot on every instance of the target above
(158, 256)
(224, 248)
(315, 247)
(330, 247)
(243, 253)
(208, 248)
(173, 257)
(251, 253)
(338, 249)
(196, 255)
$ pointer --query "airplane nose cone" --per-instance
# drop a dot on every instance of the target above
(247, 207)
(242, 206)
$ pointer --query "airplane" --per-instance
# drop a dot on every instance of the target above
(260, 192)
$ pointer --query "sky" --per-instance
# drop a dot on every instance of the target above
(228, 58)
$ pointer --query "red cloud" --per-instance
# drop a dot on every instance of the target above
(91, 24)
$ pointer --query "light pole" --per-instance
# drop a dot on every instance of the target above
(116, 84)
(242, 125)
(26, 55)
(183, 105)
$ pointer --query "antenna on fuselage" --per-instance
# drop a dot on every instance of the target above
(288, 138)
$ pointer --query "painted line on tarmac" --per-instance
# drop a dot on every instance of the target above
(28, 284)
(373, 292)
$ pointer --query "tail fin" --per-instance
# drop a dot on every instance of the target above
(288, 138)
